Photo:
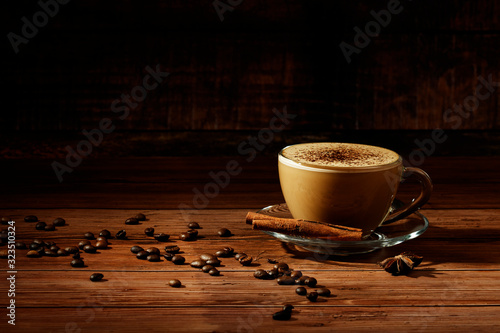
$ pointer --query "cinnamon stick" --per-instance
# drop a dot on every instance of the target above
(303, 228)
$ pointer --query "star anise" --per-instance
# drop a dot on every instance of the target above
(401, 264)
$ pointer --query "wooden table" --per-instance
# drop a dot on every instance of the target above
(456, 288)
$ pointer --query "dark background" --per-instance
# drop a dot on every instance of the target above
(227, 76)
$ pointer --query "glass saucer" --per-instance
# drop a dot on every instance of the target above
(384, 236)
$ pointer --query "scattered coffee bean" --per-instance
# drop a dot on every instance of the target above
(62, 252)
(168, 256)
(105, 233)
(213, 262)
(54, 248)
(224, 232)
(142, 255)
(214, 272)
(101, 239)
(246, 261)
(20, 245)
(76, 255)
(40, 226)
(239, 255)
(82, 244)
(311, 282)
(140, 217)
(132, 220)
(178, 259)
(282, 267)
(33, 254)
(122, 234)
(272, 261)
(4, 254)
(96, 277)
(136, 248)
(225, 252)
(88, 235)
(324, 292)
(184, 236)
(49, 244)
(59, 222)
(288, 307)
(161, 237)
(41, 250)
(153, 257)
(261, 274)
(207, 268)
(39, 242)
(296, 274)
(77, 263)
(172, 249)
(198, 263)
(72, 249)
(302, 280)
(301, 291)
(285, 280)
(89, 249)
(193, 233)
(149, 231)
(50, 227)
(174, 283)
(273, 273)
(282, 315)
(207, 256)
(153, 250)
(193, 225)
(49, 253)
(101, 245)
(30, 218)
(312, 296)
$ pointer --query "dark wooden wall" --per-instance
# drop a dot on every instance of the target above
(229, 75)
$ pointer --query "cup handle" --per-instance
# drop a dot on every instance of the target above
(425, 193)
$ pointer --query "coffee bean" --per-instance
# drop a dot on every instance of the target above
(246, 261)
(72, 249)
(239, 255)
(101, 245)
(207, 256)
(54, 248)
(324, 292)
(273, 273)
(312, 296)
(282, 267)
(168, 256)
(49, 243)
(132, 220)
(296, 274)
(140, 217)
(82, 244)
(89, 249)
(88, 235)
(224, 232)
(285, 280)
(228, 249)
(30, 218)
(301, 291)
(153, 250)
(260, 274)
(207, 268)
(213, 262)
(161, 237)
(122, 234)
(59, 222)
(39, 242)
(33, 254)
(105, 233)
(172, 249)
(193, 225)
(40, 226)
(184, 236)
(62, 252)
(282, 315)
(193, 233)
(20, 245)
(76, 255)
(136, 248)
(302, 280)
(153, 257)
(149, 232)
(311, 282)
(198, 263)
(288, 307)
(142, 255)
(49, 253)
(178, 259)
(214, 272)
(50, 227)
(77, 263)
(102, 239)
(96, 277)
(4, 254)
(174, 283)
